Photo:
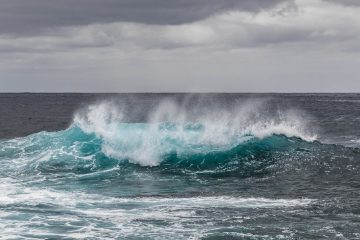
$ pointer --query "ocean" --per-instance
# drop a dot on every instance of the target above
(179, 166)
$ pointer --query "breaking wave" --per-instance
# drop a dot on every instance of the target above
(244, 140)
(180, 169)
(172, 130)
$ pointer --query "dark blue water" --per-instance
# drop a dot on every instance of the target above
(178, 166)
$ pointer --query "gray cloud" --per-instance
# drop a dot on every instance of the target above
(188, 45)
(346, 2)
(282, 24)
(31, 16)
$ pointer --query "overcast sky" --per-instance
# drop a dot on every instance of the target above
(179, 45)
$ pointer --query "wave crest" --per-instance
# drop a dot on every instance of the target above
(173, 128)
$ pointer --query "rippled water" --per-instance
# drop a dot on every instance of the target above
(181, 167)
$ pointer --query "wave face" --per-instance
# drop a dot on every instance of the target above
(101, 138)
(165, 146)
(172, 131)
(182, 165)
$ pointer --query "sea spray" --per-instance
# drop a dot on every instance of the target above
(185, 168)
(175, 128)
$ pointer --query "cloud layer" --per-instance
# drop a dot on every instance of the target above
(302, 21)
(19, 17)
(122, 38)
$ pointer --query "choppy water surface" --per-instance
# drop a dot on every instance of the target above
(183, 167)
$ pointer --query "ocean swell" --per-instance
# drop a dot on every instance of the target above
(171, 130)
(245, 141)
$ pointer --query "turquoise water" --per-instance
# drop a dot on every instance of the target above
(234, 176)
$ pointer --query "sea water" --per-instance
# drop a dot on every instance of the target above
(180, 166)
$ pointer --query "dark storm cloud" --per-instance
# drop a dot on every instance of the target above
(31, 16)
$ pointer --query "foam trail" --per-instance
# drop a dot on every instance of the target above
(82, 212)
(15, 193)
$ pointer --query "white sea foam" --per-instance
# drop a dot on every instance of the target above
(195, 128)
(16, 193)
(355, 141)
(121, 216)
